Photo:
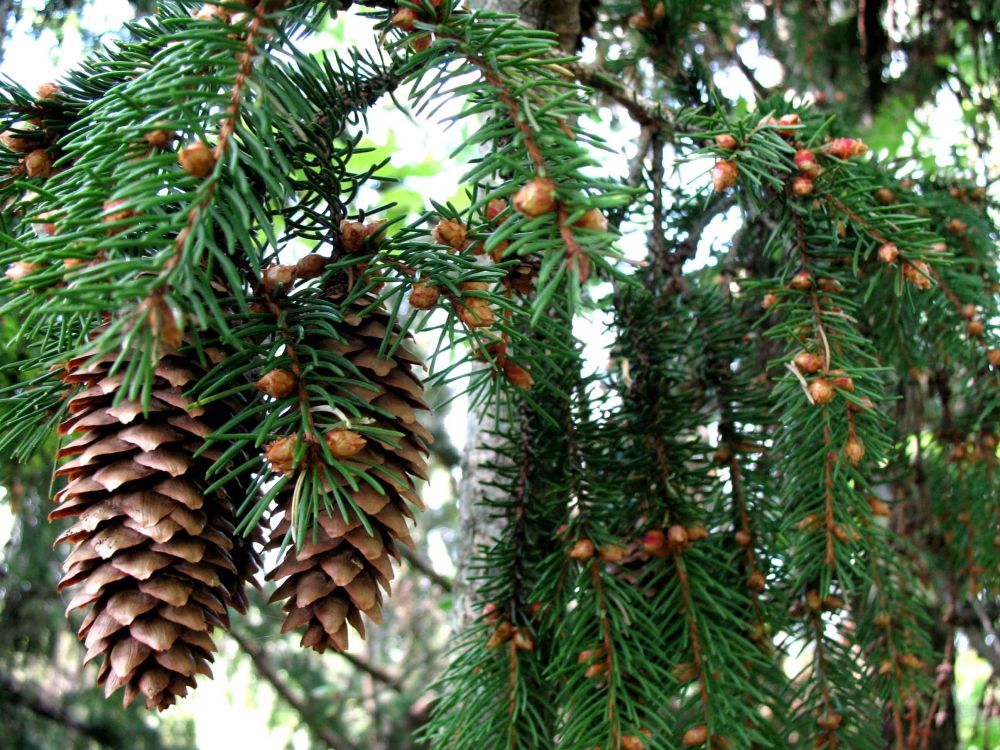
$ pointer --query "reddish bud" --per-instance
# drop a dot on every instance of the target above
(582, 550)
(805, 160)
(494, 208)
(724, 175)
(727, 142)
(405, 19)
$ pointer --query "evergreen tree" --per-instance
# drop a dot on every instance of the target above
(765, 524)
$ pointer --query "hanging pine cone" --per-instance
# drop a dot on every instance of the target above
(336, 573)
(154, 557)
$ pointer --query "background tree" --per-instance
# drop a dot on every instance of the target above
(769, 521)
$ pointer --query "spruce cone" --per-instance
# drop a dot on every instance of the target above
(335, 575)
(154, 556)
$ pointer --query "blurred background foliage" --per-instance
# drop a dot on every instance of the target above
(898, 69)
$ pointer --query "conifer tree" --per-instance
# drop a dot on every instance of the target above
(763, 524)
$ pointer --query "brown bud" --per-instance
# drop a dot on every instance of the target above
(197, 159)
(613, 553)
(882, 620)
(405, 19)
(114, 212)
(523, 640)
(727, 142)
(854, 450)
(813, 600)
(595, 670)
(20, 269)
(48, 90)
(684, 672)
(802, 186)
(886, 667)
(879, 507)
(344, 443)
(451, 233)
(911, 661)
(275, 276)
(677, 537)
(957, 227)
(582, 550)
(808, 362)
(695, 736)
(311, 266)
(535, 197)
(821, 391)
(884, 196)
(968, 312)
(352, 235)
(517, 375)
(475, 313)
(159, 138)
(501, 635)
(888, 253)
(491, 612)
(993, 357)
(631, 741)
(594, 220)
(833, 603)
(16, 142)
(803, 281)
(280, 454)
(278, 383)
(724, 175)
(770, 300)
(918, 274)
(696, 532)
(829, 720)
(756, 581)
(743, 539)
(424, 296)
(419, 42)
(975, 328)
(38, 163)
